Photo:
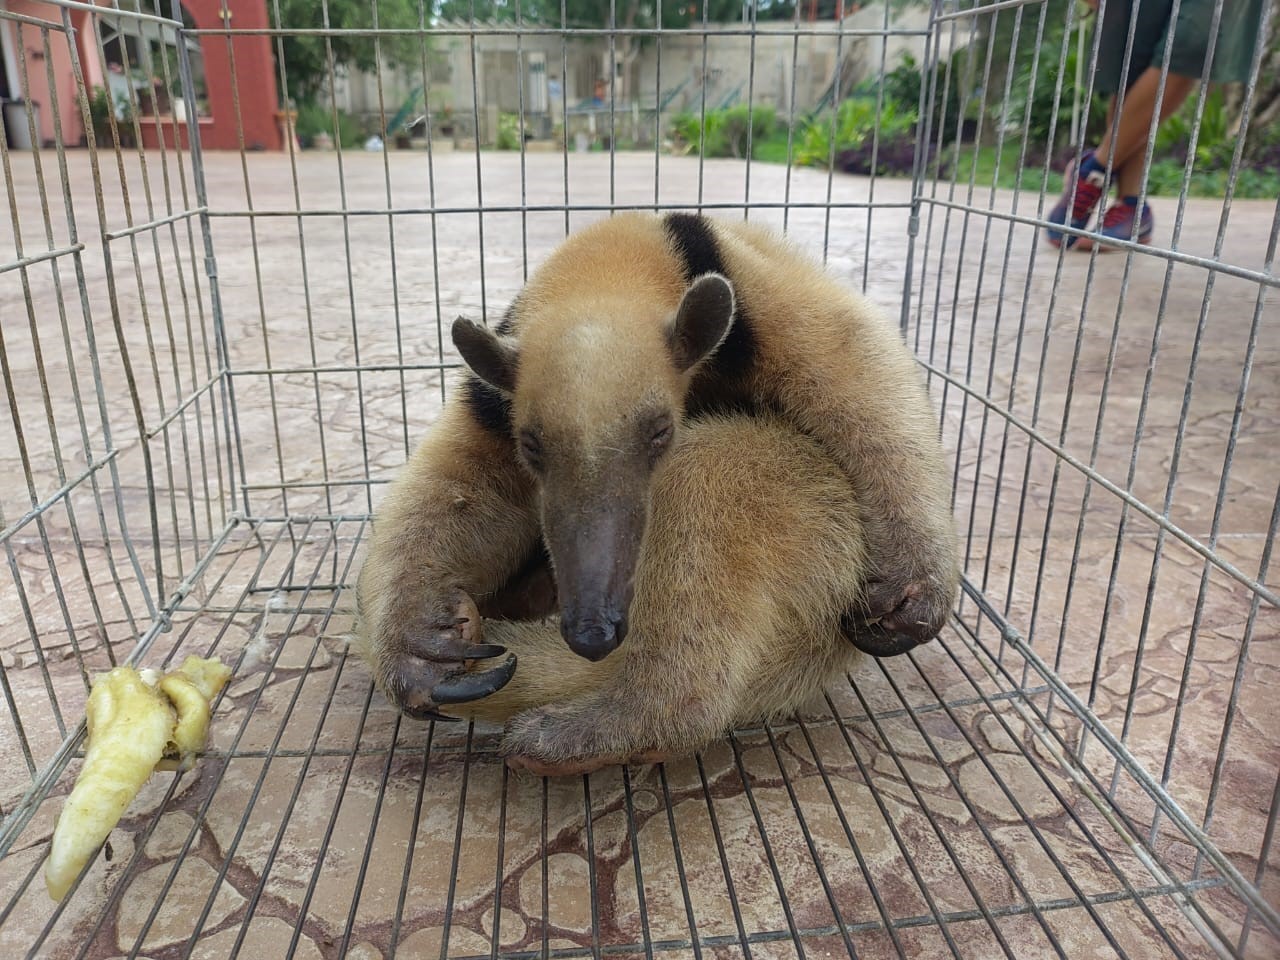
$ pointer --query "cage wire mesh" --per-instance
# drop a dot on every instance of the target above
(213, 361)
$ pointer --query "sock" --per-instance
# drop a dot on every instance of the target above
(1091, 165)
(1129, 201)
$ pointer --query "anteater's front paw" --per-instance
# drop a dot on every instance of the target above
(430, 664)
(901, 609)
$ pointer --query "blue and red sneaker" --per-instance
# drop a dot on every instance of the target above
(1088, 191)
(1119, 221)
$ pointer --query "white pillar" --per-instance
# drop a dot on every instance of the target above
(10, 53)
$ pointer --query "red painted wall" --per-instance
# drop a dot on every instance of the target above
(254, 83)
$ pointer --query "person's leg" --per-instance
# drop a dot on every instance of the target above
(1128, 176)
(1124, 144)
(1126, 140)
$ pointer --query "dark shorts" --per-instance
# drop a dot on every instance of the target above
(1186, 37)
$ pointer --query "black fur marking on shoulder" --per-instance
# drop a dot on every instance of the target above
(489, 405)
(508, 322)
(705, 403)
(736, 354)
(695, 241)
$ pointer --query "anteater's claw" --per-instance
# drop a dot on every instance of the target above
(426, 713)
(464, 687)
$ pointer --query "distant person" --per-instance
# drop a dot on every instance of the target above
(1124, 143)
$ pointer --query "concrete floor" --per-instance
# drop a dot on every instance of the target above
(346, 313)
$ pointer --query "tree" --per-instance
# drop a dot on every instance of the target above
(641, 14)
(1263, 143)
(306, 57)
(624, 15)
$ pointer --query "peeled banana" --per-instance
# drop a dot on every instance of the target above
(137, 721)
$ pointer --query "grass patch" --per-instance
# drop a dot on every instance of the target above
(960, 167)
(773, 148)
(1252, 184)
(1165, 180)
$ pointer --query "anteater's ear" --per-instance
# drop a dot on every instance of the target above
(491, 357)
(701, 322)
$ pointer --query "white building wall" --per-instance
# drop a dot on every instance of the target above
(555, 71)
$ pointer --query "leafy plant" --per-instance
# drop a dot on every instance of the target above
(1214, 146)
(854, 126)
(724, 134)
(737, 121)
(100, 106)
(1165, 179)
(1264, 146)
(902, 85)
(698, 133)
(314, 119)
(508, 132)
(1040, 87)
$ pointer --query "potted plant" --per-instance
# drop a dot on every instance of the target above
(100, 107)
(178, 103)
(145, 92)
(124, 120)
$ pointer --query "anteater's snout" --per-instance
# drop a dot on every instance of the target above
(596, 636)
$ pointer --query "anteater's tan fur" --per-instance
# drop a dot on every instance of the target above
(762, 532)
(752, 552)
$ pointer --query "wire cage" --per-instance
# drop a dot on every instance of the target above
(213, 360)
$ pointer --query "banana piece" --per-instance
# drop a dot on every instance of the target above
(129, 724)
(193, 722)
(209, 675)
(191, 688)
(134, 720)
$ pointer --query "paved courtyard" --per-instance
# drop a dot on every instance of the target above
(1080, 398)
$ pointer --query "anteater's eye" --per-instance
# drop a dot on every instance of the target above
(663, 430)
(531, 450)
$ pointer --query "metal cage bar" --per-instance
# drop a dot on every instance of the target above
(213, 359)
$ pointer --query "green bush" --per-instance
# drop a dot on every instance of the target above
(724, 134)
(702, 134)
(314, 119)
(737, 121)
(508, 132)
(1263, 147)
(100, 106)
(902, 86)
(1043, 114)
(855, 126)
(1214, 146)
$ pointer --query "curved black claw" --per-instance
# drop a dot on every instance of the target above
(426, 713)
(485, 651)
(876, 640)
(472, 686)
